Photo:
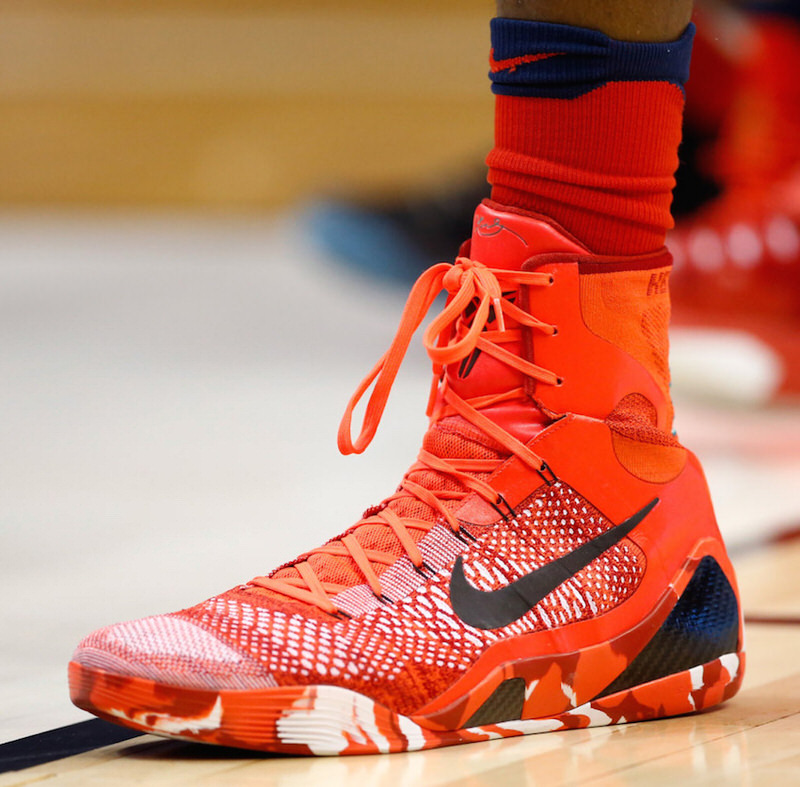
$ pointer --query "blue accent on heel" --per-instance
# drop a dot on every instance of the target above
(703, 625)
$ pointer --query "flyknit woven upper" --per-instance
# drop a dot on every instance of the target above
(406, 652)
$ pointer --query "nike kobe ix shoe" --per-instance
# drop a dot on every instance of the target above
(550, 561)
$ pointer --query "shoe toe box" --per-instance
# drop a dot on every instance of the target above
(171, 650)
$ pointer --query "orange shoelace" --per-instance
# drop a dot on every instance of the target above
(450, 337)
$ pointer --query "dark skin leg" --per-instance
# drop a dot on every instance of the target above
(625, 20)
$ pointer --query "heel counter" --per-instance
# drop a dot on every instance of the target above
(704, 625)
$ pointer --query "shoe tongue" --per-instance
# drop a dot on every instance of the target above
(449, 438)
(501, 239)
(505, 240)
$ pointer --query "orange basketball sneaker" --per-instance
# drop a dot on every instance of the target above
(550, 561)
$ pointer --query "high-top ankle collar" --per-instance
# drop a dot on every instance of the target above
(611, 313)
(506, 237)
(611, 317)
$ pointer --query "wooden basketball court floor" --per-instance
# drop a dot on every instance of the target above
(170, 397)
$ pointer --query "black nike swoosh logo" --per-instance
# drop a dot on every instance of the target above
(493, 609)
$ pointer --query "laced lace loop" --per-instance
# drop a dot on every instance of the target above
(475, 301)
(464, 281)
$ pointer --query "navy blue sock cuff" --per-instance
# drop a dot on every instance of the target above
(546, 60)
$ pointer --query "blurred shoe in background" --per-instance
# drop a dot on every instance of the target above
(736, 276)
(397, 239)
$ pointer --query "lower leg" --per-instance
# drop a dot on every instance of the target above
(626, 20)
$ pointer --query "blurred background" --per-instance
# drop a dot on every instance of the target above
(209, 215)
(248, 104)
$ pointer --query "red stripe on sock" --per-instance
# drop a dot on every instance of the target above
(511, 63)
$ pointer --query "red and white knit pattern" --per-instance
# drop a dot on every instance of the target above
(402, 653)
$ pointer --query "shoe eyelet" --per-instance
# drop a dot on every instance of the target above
(551, 281)
(559, 382)
(555, 330)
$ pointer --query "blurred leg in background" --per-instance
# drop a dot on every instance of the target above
(736, 280)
